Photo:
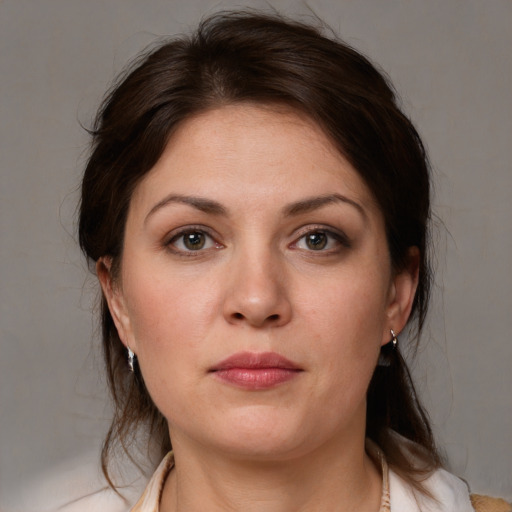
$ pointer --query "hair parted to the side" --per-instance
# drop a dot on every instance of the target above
(249, 57)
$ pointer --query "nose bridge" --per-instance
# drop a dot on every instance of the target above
(258, 293)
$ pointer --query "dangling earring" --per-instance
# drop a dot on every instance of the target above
(388, 351)
(131, 357)
(394, 339)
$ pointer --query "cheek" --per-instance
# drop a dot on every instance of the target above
(353, 307)
(346, 320)
(171, 320)
(170, 315)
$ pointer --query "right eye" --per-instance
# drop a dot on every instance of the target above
(192, 240)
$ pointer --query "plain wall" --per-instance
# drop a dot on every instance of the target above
(451, 62)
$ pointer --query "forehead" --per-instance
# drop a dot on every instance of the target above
(247, 151)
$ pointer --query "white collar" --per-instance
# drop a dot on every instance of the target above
(450, 494)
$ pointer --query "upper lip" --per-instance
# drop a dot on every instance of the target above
(255, 360)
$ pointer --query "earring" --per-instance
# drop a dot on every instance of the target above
(131, 357)
(394, 339)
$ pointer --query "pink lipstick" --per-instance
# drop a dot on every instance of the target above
(255, 371)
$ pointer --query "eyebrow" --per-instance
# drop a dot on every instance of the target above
(215, 208)
(314, 203)
(200, 203)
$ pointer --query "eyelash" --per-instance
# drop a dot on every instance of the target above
(338, 237)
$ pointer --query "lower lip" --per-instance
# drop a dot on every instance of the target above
(256, 378)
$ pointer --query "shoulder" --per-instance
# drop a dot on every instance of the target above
(448, 494)
(487, 504)
(444, 491)
(105, 499)
(74, 485)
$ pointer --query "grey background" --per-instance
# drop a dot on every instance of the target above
(450, 61)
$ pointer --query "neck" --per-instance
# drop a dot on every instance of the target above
(320, 480)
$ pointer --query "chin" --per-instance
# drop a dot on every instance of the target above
(261, 434)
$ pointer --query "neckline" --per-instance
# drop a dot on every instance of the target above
(150, 500)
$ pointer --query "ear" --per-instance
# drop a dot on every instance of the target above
(401, 294)
(112, 292)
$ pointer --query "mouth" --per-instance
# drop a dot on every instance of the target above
(255, 371)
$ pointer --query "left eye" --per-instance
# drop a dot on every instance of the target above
(192, 241)
(318, 241)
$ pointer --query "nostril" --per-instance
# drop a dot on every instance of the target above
(271, 318)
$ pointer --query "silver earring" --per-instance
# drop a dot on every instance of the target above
(394, 340)
(131, 357)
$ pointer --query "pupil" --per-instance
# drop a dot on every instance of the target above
(316, 241)
(194, 241)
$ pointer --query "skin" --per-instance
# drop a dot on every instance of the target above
(256, 285)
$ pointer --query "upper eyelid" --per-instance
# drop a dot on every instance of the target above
(177, 232)
(311, 228)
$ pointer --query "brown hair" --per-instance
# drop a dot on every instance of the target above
(250, 57)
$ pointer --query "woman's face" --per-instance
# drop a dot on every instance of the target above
(256, 286)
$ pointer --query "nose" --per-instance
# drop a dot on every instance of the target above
(258, 294)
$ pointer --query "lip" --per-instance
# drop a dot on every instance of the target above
(255, 371)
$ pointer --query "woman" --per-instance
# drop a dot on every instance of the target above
(257, 207)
